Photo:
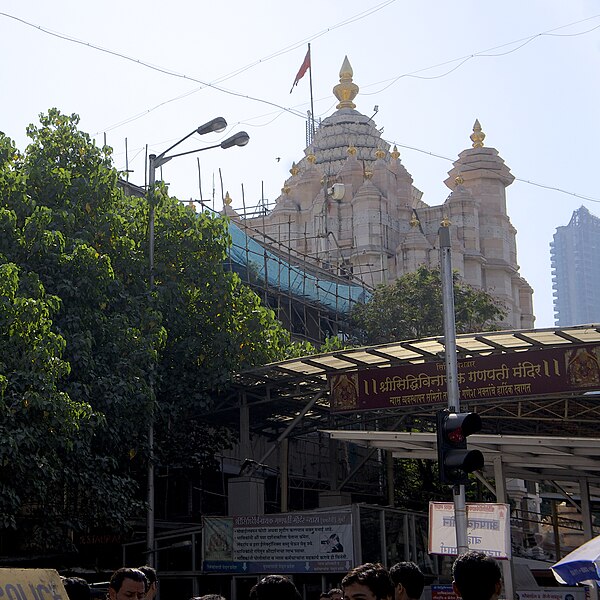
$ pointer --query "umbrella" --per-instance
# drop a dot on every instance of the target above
(583, 564)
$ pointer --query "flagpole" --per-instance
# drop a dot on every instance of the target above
(312, 108)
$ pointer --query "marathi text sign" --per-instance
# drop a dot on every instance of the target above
(286, 543)
(534, 372)
(573, 593)
(31, 584)
(487, 529)
(443, 592)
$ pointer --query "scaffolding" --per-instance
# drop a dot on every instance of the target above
(311, 302)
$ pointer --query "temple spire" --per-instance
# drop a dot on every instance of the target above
(346, 90)
(477, 136)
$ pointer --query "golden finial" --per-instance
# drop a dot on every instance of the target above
(286, 190)
(458, 180)
(395, 154)
(368, 173)
(351, 150)
(445, 221)
(379, 153)
(311, 158)
(346, 90)
(477, 136)
(227, 200)
(414, 222)
(294, 170)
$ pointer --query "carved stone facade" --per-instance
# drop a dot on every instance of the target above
(350, 205)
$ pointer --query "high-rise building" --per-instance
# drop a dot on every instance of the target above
(351, 207)
(575, 254)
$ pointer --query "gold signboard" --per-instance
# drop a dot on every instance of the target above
(501, 376)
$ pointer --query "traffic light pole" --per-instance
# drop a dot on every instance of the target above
(458, 491)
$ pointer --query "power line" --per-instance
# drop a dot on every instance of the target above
(461, 61)
(204, 84)
(527, 181)
(484, 54)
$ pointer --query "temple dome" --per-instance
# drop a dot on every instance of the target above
(345, 127)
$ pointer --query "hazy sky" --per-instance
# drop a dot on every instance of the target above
(528, 70)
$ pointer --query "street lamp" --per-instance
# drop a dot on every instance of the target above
(154, 162)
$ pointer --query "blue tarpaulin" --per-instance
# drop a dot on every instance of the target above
(273, 270)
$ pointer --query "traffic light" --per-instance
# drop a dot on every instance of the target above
(455, 461)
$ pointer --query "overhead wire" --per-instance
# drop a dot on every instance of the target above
(305, 40)
(483, 54)
(521, 180)
(204, 84)
(414, 74)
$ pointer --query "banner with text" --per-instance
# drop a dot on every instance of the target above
(488, 528)
(31, 584)
(284, 543)
(534, 372)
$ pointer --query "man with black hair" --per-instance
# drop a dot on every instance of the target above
(370, 581)
(408, 581)
(150, 573)
(127, 584)
(275, 587)
(476, 576)
(335, 594)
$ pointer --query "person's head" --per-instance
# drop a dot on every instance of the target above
(408, 581)
(335, 594)
(370, 581)
(476, 576)
(150, 573)
(77, 588)
(127, 584)
(274, 587)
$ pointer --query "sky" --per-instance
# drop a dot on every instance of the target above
(142, 75)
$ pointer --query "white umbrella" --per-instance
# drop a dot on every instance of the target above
(583, 564)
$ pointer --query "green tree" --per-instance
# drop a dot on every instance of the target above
(411, 308)
(78, 246)
(40, 425)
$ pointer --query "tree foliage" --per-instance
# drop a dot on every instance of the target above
(89, 352)
(411, 308)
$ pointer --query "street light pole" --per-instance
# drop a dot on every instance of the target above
(154, 162)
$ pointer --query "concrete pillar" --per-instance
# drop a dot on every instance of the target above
(586, 514)
(283, 473)
(507, 570)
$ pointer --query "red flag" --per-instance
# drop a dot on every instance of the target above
(302, 71)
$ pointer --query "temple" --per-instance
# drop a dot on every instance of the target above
(350, 207)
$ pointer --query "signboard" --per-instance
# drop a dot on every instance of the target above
(318, 542)
(559, 593)
(443, 592)
(497, 376)
(488, 529)
(31, 584)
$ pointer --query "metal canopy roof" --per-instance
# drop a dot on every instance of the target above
(277, 392)
(316, 367)
(523, 457)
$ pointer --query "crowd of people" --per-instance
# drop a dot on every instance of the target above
(475, 577)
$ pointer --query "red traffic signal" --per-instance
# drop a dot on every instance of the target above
(455, 460)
